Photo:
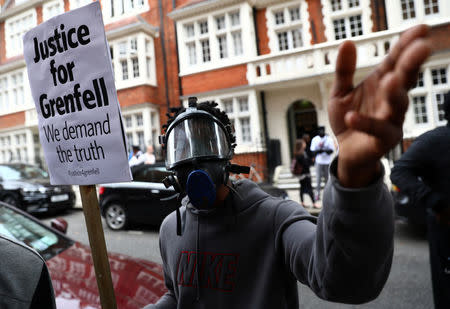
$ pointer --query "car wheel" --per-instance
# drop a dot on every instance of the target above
(11, 200)
(116, 217)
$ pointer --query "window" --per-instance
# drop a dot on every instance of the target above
(75, 4)
(16, 89)
(52, 8)
(336, 5)
(419, 82)
(119, 8)
(133, 58)
(15, 28)
(420, 109)
(14, 147)
(345, 19)
(4, 94)
(238, 111)
(408, 10)
(439, 76)
(439, 100)
(431, 7)
(12, 94)
(287, 27)
(214, 39)
(141, 127)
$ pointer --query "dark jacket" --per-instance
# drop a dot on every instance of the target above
(423, 171)
(24, 278)
(250, 253)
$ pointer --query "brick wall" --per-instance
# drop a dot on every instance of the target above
(2, 43)
(12, 120)
(261, 30)
(316, 21)
(217, 79)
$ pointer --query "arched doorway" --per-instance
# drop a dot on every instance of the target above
(301, 119)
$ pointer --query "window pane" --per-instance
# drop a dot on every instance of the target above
(237, 43)
(192, 53)
(353, 3)
(123, 48)
(439, 76)
(243, 104)
(283, 41)
(128, 122)
(294, 13)
(297, 38)
(220, 22)
(133, 45)
(339, 29)
(420, 109)
(408, 10)
(336, 5)
(235, 19)
(189, 30)
(223, 50)
(148, 67)
(355, 25)
(203, 27)
(439, 97)
(279, 17)
(431, 6)
(419, 82)
(124, 64)
(245, 129)
(228, 106)
(139, 120)
(206, 55)
(135, 67)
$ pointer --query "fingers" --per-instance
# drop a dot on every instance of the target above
(395, 97)
(405, 40)
(345, 68)
(410, 60)
(383, 130)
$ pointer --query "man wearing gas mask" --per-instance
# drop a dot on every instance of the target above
(231, 245)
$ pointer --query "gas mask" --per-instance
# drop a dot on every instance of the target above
(198, 151)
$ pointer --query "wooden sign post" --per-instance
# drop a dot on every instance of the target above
(91, 211)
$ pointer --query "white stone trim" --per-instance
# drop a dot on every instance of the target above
(8, 152)
(46, 5)
(106, 9)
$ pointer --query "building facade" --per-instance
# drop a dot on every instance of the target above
(268, 63)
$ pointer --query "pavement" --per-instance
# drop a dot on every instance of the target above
(294, 195)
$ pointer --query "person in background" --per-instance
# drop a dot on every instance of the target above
(136, 156)
(423, 173)
(24, 278)
(304, 162)
(322, 146)
(149, 156)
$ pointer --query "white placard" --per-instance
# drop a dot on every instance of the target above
(72, 83)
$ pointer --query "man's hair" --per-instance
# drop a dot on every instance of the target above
(447, 106)
(211, 108)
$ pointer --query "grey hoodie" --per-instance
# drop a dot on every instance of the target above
(251, 252)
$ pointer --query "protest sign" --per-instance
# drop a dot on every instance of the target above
(72, 84)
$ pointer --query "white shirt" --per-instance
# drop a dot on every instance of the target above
(324, 143)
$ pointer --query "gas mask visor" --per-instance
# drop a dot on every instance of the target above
(197, 136)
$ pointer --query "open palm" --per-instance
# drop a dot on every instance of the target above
(367, 119)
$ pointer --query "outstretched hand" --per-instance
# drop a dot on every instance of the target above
(367, 119)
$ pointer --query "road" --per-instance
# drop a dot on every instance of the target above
(408, 286)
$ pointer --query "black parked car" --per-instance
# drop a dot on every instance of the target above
(28, 188)
(146, 200)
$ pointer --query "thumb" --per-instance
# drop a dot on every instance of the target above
(345, 69)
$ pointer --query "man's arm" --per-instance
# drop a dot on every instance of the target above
(347, 256)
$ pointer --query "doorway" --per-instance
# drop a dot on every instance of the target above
(301, 119)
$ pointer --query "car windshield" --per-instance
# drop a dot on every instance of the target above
(16, 226)
(17, 172)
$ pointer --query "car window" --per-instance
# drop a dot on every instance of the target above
(150, 174)
(21, 172)
(21, 228)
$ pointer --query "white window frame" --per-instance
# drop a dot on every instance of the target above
(364, 10)
(75, 4)
(21, 89)
(150, 127)
(46, 15)
(119, 13)
(428, 90)
(395, 19)
(17, 48)
(145, 54)
(273, 28)
(256, 128)
(16, 146)
(246, 28)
